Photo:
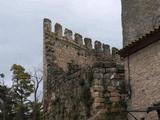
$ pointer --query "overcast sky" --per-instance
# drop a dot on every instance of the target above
(21, 21)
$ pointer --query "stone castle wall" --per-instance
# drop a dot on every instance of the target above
(81, 82)
(144, 79)
(138, 18)
(91, 93)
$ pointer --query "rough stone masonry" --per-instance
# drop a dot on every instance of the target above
(81, 82)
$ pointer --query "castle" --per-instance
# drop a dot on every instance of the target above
(82, 82)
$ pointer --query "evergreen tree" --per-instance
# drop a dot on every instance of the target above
(22, 87)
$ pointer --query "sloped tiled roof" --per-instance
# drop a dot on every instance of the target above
(144, 41)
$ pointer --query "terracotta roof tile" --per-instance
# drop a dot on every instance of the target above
(142, 42)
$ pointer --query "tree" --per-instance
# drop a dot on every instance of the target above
(37, 79)
(6, 103)
(22, 87)
(2, 78)
(5, 100)
(15, 101)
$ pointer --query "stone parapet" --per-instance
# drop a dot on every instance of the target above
(76, 38)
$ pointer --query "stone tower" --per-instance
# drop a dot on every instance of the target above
(138, 18)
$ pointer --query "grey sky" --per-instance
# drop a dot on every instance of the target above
(21, 21)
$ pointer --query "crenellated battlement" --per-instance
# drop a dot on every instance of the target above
(75, 39)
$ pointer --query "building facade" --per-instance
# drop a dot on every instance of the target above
(141, 54)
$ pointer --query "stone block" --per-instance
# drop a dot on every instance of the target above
(111, 88)
(97, 94)
(124, 96)
(114, 99)
(98, 88)
(98, 64)
(98, 76)
(115, 94)
(98, 105)
(111, 70)
(97, 82)
(109, 64)
(117, 77)
(107, 94)
(122, 75)
(99, 70)
(115, 110)
(107, 76)
(99, 100)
